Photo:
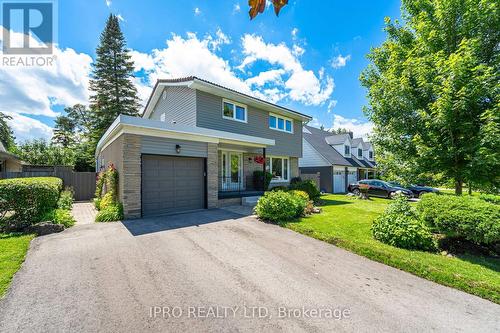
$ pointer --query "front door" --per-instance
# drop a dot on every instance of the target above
(232, 171)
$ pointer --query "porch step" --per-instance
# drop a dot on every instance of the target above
(250, 201)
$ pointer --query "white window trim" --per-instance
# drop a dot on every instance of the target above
(347, 155)
(234, 110)
(279, 180)
(284, 120)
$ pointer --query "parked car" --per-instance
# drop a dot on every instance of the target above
(379, 188)
(417, 189)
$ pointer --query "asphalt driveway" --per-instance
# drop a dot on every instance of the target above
(217, 271)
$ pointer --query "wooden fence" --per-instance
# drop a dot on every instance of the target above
(83, 183)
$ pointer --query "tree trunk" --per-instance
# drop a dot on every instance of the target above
(470, 188)
(458, 186)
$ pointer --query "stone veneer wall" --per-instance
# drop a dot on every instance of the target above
(131, 193)
(212, 176)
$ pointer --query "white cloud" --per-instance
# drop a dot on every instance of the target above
(26, 128)
(220, 39)
(331, 105)
(302, 85)
(34, 90)
(360, 128)
(236, 8)
(120, 17)
(108, 3)
(271, 76)
(197, 11)
(340, 61)
(294, 32)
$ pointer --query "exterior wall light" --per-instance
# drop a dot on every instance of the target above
(178, 148)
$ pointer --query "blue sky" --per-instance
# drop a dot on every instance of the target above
(309, 58)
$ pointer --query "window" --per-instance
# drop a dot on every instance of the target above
(370, 155)
(360, 152)
(234, 111)
(279, 167)
(347, 150)
(280, 123)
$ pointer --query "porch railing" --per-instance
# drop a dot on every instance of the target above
(240, 184)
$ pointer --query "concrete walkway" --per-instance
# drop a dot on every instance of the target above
(84, 213)
(189, 272)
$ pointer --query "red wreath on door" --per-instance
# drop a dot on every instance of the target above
(259, 159)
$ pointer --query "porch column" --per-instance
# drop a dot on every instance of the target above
(264, 164)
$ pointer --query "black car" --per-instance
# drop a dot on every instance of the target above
(417, 189)
(379, 188)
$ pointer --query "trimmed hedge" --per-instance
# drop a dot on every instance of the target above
(29, 198)
(400, 226)
(462, 216)
(309, 187)
(280, 206)
(493, 198)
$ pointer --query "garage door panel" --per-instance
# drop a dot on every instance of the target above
(172, 184)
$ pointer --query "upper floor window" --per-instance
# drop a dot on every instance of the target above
(370, 155)
(360, 152)
(280, 123)
(234, 111)
(347, 150)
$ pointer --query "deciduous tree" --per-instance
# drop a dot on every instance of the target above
(433, 90)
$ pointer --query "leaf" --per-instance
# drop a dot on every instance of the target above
(278, 4)
(256, 7)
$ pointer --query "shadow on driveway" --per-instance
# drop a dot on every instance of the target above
(170, 222)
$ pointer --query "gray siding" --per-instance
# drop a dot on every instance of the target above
(163, 146)
(179, 105)
(209, 115)
(325, 177)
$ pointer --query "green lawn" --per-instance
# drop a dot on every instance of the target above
(346, 223)
(13, 248)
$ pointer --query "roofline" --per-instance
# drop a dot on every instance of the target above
(193, 80)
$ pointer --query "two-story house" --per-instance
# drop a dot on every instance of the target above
(197, 146)
(340, 159)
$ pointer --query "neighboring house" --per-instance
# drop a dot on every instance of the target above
(339, 158)
(197, 146)
(8, 162)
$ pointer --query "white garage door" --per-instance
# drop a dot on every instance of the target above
(338, 181)
(351, 177)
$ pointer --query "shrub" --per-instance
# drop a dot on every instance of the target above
(111, 213)
(258, 177)
(461, 216)
(66, 199)
(279, 188)
(400, 226)
(29, 198)
(59, 216)
(301, 194)
(493, 198)
(279, 206)
(106, 201)
(97, 203)
(309, 187)
(295, 180)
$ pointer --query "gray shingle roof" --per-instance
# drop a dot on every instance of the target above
(321, 141)
(337, 139)
(317, 139)
(355, 142)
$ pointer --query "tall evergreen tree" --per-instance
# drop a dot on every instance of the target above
(112, 90)
(64, 132)
(6, 135)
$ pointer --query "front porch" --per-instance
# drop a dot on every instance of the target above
(237, 165)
